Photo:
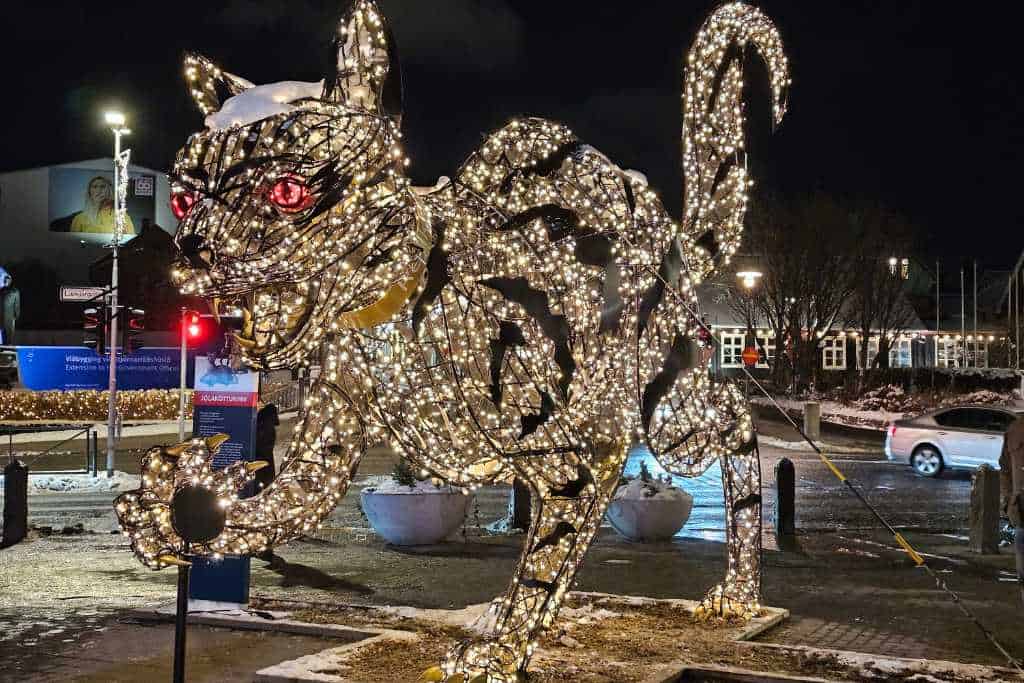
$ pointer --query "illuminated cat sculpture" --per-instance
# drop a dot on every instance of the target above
(530, 317)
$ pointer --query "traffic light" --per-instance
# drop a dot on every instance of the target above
(134, 325)
(94, 323)
(194, 327)
(203, 333)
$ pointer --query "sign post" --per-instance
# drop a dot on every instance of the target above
(81, 295)
(224, 402)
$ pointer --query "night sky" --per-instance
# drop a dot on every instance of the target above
(916, 104)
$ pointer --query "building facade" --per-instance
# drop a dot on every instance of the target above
(62, 215)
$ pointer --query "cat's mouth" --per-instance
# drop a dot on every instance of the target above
(274, 319)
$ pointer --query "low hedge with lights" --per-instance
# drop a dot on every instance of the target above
(91, 405)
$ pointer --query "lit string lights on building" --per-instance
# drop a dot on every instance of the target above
(530, 317)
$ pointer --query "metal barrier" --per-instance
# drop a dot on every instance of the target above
(91, 442)
(288, 397)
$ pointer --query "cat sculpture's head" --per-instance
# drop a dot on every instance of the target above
(292, 199)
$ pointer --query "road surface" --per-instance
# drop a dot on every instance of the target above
(822, 502)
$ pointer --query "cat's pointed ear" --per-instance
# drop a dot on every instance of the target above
(208, 85)
(364, 70)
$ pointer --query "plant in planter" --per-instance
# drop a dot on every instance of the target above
(649, 509)
(407, 511)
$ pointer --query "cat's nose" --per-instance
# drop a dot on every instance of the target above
(195, 251)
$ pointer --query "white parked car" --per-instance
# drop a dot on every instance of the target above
(963, 437)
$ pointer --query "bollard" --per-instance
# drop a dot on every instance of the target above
(984, 512)
(785, 498)
(95, 452)
(812, 420)
(519, 506)
(15, 503)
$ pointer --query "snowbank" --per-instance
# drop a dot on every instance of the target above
(884, 405)
(833, 411)
(985, 396)
(83, 483)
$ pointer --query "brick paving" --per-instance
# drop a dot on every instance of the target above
(814, 632)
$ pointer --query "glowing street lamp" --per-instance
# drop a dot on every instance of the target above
(116, 120)
(749, 278)
(748, 272)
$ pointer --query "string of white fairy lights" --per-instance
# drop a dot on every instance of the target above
(532, 316)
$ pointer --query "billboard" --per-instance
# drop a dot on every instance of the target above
(82, 202)
(64, 368)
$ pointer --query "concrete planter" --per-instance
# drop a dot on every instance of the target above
(653, 519)
(414, 518)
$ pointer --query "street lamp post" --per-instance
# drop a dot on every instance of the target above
(182, 376)
(749, 275)
(116, 121)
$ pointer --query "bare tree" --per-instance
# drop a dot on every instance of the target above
(879, 306)
(805, 248)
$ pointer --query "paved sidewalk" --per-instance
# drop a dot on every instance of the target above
(66, 596)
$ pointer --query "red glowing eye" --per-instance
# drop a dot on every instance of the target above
(181, 203)
(290, 194)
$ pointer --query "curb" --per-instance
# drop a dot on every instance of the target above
(901, 668)
(245, 620)
(672, 673)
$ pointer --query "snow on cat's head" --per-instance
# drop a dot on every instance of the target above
(278, 196)
(261, 102)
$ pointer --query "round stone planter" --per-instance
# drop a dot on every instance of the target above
(653, 519)
(414, 518)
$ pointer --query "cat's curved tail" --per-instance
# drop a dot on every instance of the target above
(714, 164)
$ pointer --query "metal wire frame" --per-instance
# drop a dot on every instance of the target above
(552, 327)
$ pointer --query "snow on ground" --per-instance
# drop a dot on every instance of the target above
(833, 411)
(158, 428)
(805, 447)
(476, 618)
(44, 483)
(588, 613)
(164, 428)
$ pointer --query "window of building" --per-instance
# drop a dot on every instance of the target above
(872, 352)
(732, 350)
(977, 354)
(900, 354)
(833, 353)
(947, 352)
(765, 351)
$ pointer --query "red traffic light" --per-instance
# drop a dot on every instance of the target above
(193, 325)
